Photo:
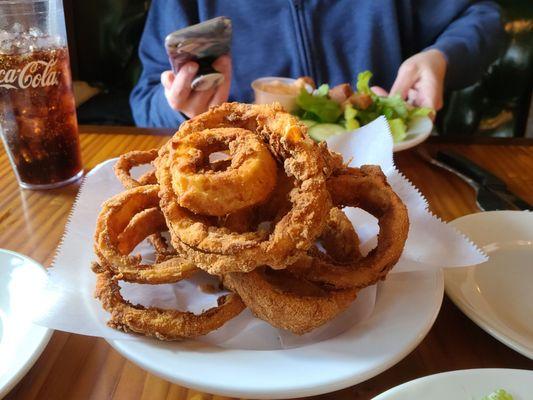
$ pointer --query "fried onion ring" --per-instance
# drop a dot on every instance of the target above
(125, 220)
(122, 170)
(294, 304)
(157, 322)
(287, 302)
(218, 250)
(163, 250)
(339, 237)
(366, 188)
(247, 181)
(132, 159)
(239, 222)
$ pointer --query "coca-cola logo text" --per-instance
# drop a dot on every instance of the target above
(28, 77)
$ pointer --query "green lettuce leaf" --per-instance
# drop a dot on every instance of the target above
(366, 116)
(392, 107)
(350, 122)
(318, 108)
(363, 82)
(499, 394)
(322, 90)
(420, 112)
(398, 129)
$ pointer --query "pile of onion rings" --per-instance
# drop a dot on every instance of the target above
(242, 193)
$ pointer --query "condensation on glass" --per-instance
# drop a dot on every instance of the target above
(37, 110)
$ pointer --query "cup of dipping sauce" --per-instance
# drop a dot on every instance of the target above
(272, 89)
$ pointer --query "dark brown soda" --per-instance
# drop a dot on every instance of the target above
(38, 116)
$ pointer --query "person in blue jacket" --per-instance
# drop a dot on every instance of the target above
(417, 48)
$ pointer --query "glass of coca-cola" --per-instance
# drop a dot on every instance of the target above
(37, 111)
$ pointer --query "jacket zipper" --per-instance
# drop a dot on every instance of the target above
(303, 39)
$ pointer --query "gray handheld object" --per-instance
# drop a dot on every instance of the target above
(202, 43)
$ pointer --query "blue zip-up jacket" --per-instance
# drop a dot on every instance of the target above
(329, 40)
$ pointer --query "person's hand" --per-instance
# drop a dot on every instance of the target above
(420, 79)
(181, 98)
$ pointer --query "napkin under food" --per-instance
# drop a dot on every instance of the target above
(67, 303)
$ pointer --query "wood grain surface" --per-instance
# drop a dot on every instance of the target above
(79, 367)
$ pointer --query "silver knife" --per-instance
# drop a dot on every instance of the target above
(491, 192)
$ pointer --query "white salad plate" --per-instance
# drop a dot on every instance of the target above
(468, 384)
(419, 130)
(21, 342)
(406, 307)
(498, 295)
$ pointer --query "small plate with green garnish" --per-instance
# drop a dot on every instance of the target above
(467, 384)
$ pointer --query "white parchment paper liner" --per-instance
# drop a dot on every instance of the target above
(67, 303)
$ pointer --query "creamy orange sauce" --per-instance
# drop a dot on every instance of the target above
(279, 87)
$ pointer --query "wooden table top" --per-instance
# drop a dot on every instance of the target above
(80, 367)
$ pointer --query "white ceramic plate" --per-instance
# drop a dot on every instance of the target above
(21, 342)
(468, 384)
(418, 130)
(498, 295)
(406, 307)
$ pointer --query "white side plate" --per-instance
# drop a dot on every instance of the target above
(468, 384)
(498, 295)
(21, 342)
